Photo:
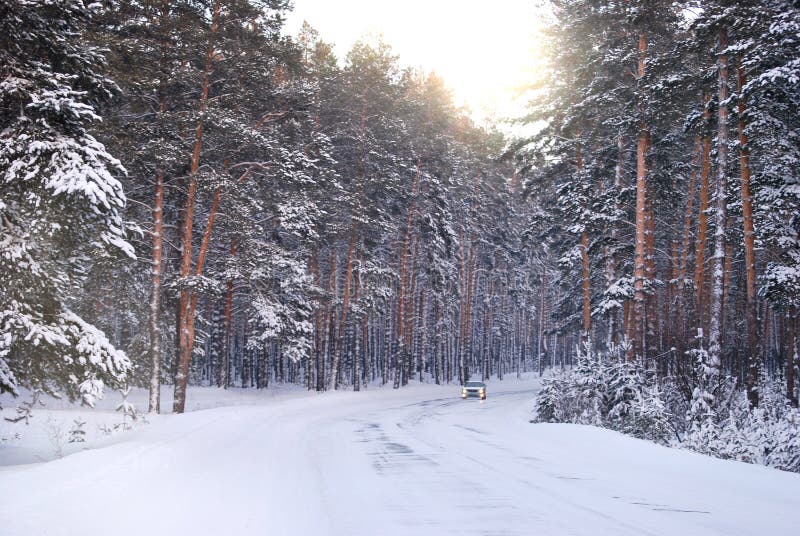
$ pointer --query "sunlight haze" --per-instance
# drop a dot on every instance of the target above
(483, 51)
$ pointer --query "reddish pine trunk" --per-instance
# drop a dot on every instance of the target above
(412, 292)
(203, 253)
(671, 315)
(464, 338)
(640, 255)
(186, 324)
(318, 324)
(749, 249)
(188, 319)
(403, 290)
(468, 317)
(338, 357)
(651, 310)
(328, 321)
(462, 311)
(684, 255)
(702, 219)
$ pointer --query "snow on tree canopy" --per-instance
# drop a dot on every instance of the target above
(60, 204)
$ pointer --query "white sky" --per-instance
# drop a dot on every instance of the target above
(483, 49)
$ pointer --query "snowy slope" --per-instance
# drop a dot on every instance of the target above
(415, 461)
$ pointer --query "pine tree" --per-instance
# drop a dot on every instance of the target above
(61, 204)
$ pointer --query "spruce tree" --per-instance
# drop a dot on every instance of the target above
(61, 204)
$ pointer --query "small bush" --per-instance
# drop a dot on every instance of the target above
(767, 435)
(604, 390)
(601, 392)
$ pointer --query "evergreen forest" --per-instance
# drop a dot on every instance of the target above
(191, 196)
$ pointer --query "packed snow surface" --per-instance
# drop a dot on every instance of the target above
(415, 461)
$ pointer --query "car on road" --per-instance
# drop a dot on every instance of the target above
(474, 389)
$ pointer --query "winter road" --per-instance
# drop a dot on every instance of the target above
(416, 461)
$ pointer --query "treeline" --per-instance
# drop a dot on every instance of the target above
(667, 170)
(296, 217)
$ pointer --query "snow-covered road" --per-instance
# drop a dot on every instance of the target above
(415, 461)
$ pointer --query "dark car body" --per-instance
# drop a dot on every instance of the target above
(476, 389)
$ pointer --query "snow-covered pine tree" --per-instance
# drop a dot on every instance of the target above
(602, 99)
(60, 204)
(773, 136)
(372, 154)
(148, 46)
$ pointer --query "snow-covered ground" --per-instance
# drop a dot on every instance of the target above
(381, 462)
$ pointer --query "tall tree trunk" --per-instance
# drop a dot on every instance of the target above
(188, 318)
(410, 317)
(468, 318)
(186, 336)
(402, 298)
(727, 276)
(720, 214)
(611, 268)
(357, 344)
(650, 310)
(155, 300)
(340, 342)
(641, 188)
(765, 344)
(585, 281)
(158, 228)
(585, 287)
(423, 332)
(225, 377)
(671, 315)
(628, 327)
(684, 254)
(702, 217)
(437, 344)
(388, 330)
(356, 362)
(486, 333)
(329, 321)
(749, 248)
(542, 343)
(791, 357)
(366, 348)
(318, 323)
(462, 311)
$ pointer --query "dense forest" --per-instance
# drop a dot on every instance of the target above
(190, 196)
(666, 175)
(670, 161)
